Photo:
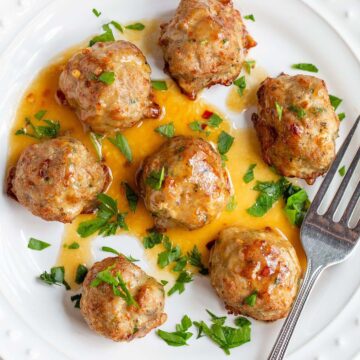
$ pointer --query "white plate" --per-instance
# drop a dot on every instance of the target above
(40, 322)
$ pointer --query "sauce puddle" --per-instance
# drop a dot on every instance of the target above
(143, 141)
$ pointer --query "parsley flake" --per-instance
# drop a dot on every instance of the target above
(225, 142)
(249, 175)
(214, 120)
(249, 65)
(232, 204)
(342, 171)
(74, 245)
(106, 36)
(55, 277)
(81, 272)
(131, 196)
(154, 238)
(249, 17)
(300, 112)
(179, 286)
(108, 219)
(136, 26)
(106, 77)
(305, 67)
(166, 130)
(159, 85)
(156, 179)
(251, 299)
(35, 244)
(335, 101)
(279, 110)
(122, 144)
(241, 85)
(97, 13)
(341, 116)
(194, 257)
(180, 336)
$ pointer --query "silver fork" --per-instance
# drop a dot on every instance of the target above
(325, 242)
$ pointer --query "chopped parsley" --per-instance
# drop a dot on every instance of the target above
(249, 175)
(342, 171)
(214, 120)
(164, 282)
(170, 254)
(194, 258)
(299, 111)
(270, 192)
(109, 250)
(81, 272)
(180, 336)
(305, 67)
(249, 17)
(136, 26)
(296, 204)
(251, 299)
(196, 125)
(74, 245)
(50, 130)
(156, 178)
(131, 259)
(241, 85)
(179, 286)
(97, 13)
(232, 204)
(117, 283)
(166, 130)
(159, 85)
(117, 26)
(341, 116)
(55, 277)
(106, 77)
(108, 219)
(122, 144)
(249, 65)
(225, 337)
(154, 238)
(96, 140)
(40, 114)
(76, 300)
(35, 244)
(106, 36)
(224, 144)
(279, 110)
(131, 196)
(335, 101)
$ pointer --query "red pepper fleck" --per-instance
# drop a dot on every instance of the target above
(207, 114)
(203, 126)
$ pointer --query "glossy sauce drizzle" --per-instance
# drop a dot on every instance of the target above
(143, 141)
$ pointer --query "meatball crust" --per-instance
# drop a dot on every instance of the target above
(109, 315)
(106, 108)
(58, 179)
(196, 187)
(301, 142)
(205, 43)
(245, 262)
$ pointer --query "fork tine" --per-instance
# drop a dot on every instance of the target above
(340, 192)
(351, 206)
(333, 169)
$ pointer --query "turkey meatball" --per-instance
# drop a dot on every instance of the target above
(296, 126)
(108, 313)
(109, 86)
(205, 43)
(58, 179)
(184, 183)
(255, 272)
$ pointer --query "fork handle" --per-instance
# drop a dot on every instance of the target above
(312, 273)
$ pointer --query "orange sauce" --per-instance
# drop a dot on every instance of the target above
(143, 141)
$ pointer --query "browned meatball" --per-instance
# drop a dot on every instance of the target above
(205, 43)
(255, 272)
(58, 179)
(109, 314)
(296, 125)
(195, 188)
(102, 105)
